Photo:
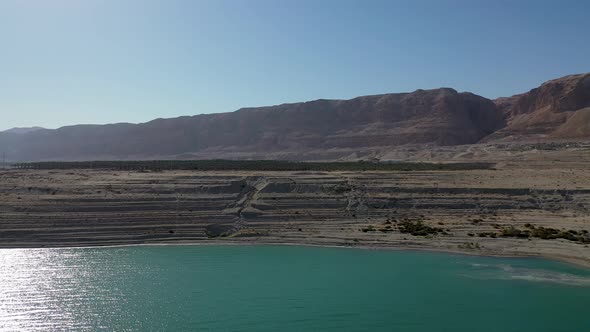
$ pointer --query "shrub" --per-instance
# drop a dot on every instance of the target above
(514, 232)
(418, 228)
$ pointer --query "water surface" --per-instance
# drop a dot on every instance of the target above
(283, 288)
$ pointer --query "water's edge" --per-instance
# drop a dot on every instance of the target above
(225, 285)
(581, 263)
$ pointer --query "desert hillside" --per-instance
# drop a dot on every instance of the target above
(325, 129)
(557, 109)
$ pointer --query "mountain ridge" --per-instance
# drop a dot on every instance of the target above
(540, 112)
(21, 130)
(439, 117)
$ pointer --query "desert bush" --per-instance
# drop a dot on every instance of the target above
(417, 228)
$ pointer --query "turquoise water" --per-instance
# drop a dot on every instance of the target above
(283, 288)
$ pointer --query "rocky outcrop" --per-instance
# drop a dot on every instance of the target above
(439, 117)
(556, 109)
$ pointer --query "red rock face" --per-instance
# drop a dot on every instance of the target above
(541, 112)
(441, 117)
(557, 109)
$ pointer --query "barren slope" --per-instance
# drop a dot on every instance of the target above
(556, 109)
(439, 117)
(507, 211)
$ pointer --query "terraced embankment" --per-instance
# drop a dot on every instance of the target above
(510, 211)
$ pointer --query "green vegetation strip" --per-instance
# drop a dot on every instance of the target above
(254, 165)
(546, 233)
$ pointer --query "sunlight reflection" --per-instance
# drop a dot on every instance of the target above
(32, 284)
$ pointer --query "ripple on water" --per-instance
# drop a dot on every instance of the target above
(270, 288)
(509, 272)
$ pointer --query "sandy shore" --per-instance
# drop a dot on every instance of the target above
(472, 212)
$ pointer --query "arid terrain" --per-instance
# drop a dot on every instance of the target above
(378, 125)
(535, 201)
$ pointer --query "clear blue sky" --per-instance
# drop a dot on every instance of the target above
(103, 61)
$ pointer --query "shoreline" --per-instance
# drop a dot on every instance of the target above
(579, 263)
(516, 210)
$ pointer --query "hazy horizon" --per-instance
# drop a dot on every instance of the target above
(98, 62)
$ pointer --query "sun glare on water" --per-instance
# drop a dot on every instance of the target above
(31, 286)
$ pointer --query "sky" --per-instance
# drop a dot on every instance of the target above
(65, 62)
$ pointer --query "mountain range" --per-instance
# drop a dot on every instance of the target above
(557, 110)
(22, 130)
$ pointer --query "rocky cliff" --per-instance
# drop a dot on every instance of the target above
(558, 109)
(441, 117)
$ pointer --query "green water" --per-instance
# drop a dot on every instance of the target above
(282, 288)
